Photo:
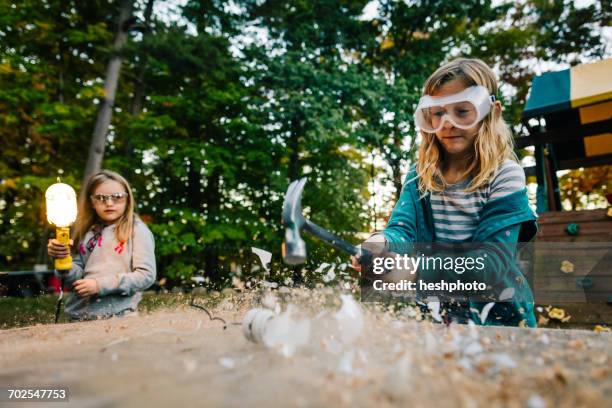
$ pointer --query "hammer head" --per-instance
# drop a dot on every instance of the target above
(294, 247)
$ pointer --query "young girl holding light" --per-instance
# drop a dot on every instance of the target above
(115, 259)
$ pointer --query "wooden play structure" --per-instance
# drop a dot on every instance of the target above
(568, 117)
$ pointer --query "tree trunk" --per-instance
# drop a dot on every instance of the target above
(98, 139)
(194, 186)
(293, 171)
(213, 201)
(139, 87)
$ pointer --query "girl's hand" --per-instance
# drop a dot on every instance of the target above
(56, 250)
(86, 287)
(375, 244)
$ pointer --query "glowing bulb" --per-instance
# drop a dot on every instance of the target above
(61, 205)
(61, 212)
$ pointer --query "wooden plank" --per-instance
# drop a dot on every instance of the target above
(592, 161)
(575, 256)
(573, 248)
(562, 283)
(582, 266)
(578, 239)
(561, 297)
(554, 273)
(554, 217)
(585, 228)
(581, 313)
(563, 135)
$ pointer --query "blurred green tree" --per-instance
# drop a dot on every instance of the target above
(50, 82)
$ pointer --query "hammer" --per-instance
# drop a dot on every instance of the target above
(294, 247)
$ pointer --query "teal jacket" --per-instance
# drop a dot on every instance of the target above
(504, 223)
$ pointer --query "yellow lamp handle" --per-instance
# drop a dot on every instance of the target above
(62, 234)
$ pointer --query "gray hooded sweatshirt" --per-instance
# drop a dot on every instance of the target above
(122, 272)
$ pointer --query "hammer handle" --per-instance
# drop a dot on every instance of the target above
(338, 243)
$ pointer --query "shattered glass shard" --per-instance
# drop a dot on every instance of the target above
(264, 256)
(285, 334)
(485, 312)
(350, 319)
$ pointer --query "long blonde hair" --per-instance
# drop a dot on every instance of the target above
(87, 217)
(493, 143)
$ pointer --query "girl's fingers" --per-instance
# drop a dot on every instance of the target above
(80, 287)
(57, 250)
(81, 292)
(54, 243)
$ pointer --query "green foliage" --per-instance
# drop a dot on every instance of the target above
(228, 119)
(48, 81)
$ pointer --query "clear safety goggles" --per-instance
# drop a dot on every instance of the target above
(113, 198)
(463, 109)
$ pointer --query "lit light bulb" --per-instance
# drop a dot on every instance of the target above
(61, 212)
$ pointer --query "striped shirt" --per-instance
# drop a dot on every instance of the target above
(456, 213)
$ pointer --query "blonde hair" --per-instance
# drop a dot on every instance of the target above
(493, 143)
(87, 217)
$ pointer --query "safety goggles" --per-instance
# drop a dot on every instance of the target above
(113, 198)
(463, 109)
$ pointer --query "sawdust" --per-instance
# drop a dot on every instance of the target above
(180, 357)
